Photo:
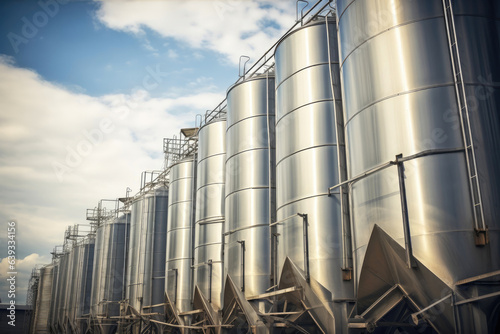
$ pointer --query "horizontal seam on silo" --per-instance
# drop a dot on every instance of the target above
(214, 220)
(210, 184)
(179, 228)
(208, 244)
(386, 30)
(304, 198)
(178, 258)
(249, 188)
(210, 156)
(178, 202)
(306, 149)
(180, 178)
(249, 150)
(247, 118)
(451, 84)
(305, 105)
(303, 69)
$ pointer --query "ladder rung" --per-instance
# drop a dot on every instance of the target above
(473, 176)
(477, 204)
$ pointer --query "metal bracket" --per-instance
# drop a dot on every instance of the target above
(481, 236)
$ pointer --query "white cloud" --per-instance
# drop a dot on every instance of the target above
(232, 28)
(115, 138)
(24, 267)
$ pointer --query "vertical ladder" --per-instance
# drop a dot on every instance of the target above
(470, 156)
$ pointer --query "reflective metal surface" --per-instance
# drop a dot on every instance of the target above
(210, 190)
(43, 299)
(98, 304)
(178, 271)
(146, 262)
(53, 296)
(85, 287)
(307, 67)
(116, 259)
(250, 187)
(399, 97)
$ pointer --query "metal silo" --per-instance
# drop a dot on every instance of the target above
(85, 286)
(178, 271)
(420, 94)
(146, 262)
(117, 255)
(53, 296)
(210, 190)
(250, 189)
(313, 225)
(99, 270)
(74, 278)
(43, 300)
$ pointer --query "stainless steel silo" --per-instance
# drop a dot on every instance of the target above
(99, 270)
(53, 296)
(210, 190)
(250, 183)
(420, 79)
(146, 261)
(117, 255)
(313, 229)
(43, 300)
(178, 271)
(74, 278)
(85, 287)
(62, 286)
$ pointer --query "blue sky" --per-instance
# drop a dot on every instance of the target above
(88, 94)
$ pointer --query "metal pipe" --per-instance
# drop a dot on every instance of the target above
(306, 245)
(391, 163)
(210, 281)
(242, 243)
(404, 210)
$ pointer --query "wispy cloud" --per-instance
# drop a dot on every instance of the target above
(61, 151)
(232, 28)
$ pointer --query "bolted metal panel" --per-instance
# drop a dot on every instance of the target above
(308, 105)
(250, 188)
(146, 258)
(178, 272)
(210, 190)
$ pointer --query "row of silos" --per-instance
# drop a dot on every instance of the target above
(371, 148)
(64, 292)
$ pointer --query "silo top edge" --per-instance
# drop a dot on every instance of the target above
(317, 21)
(257, 77)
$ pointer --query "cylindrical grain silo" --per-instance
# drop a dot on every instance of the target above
(117, 255)
(146, 261)
(74, 277)
(250, 189)
(43, 300)
(422, 82)
(312, 229)
(208, 267)
(178, 271)
(99, 271)
(62, 287)
(85, 287)
(53, 296)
